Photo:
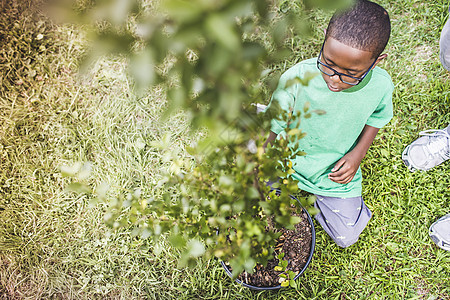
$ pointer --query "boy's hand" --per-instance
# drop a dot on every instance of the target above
(345, 169)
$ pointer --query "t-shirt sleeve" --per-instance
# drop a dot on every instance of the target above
(285, 99)
(384, 111)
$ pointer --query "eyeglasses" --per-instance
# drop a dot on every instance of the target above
(326, 69)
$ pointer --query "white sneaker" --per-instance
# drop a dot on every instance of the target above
(428, 151)
(440, 232)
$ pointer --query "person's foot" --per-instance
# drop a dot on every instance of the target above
(428, 151)
(440, 232)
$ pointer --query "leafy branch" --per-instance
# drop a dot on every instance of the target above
(286, 276)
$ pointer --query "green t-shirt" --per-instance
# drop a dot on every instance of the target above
(330, 136)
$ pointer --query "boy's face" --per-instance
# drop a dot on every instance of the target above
(345, 60)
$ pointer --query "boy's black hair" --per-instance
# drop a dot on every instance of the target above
(365, 26)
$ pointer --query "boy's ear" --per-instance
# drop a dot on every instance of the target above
(380, 58)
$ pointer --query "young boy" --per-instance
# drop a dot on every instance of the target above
(357, 98)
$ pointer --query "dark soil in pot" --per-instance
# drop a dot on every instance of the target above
(295, 244)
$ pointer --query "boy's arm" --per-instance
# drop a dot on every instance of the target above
(345, 169)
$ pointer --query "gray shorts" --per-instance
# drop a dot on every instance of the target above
(342, 218)
(444, 46)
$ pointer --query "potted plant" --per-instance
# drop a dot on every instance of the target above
(224, 207)
(243, 220)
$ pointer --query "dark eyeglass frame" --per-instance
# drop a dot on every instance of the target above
(342, 74)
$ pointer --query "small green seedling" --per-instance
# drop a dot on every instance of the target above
(286, 276)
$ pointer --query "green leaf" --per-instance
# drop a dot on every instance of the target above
(249, 264)
(252, 51)
(237, 268)
(291, 274)
(294, 131)
(145, 234)
(319, 112)
(306, 106)
(139, 144)
(295, 220)
(85, 171)
(285, 283)
(221, 29)
(252, 193)
(293, 284)
(262, 8)
(252, 229)
(177, 240)
(300, 153)
(313, 210)
(328, 4)
(308, 76)
(279, 31)
(191, 150)
(177, 98)
(78, 188)
(137, 193)
(240, 161)
(182, 10)
(195, 248)
(293, 81)
(225, 208)
(266, 206)
(142, 68)
(311, 199)
(239, 205)
(101, 190)
(303, 81)
(225, 180)
(70, 171)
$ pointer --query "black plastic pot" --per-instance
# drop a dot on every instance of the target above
(313, 244)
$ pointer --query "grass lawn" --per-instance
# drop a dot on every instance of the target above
(55, 244)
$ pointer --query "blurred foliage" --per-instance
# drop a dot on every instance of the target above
(212, 56)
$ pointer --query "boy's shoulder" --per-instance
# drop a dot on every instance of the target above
(304, 65)
(308, 65)
(382, 77)
(381, 72)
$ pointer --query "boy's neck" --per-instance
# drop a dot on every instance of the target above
(361, 84)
